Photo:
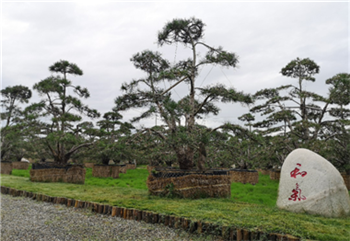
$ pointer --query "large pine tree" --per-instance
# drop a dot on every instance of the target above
(61, 111)
(182, 134)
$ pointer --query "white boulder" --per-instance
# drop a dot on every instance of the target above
(311, 184)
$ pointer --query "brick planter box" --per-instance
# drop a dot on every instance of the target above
(6, 168)
(20, 165)
(264, 171)
(105, 171)
(122, 168)
(190, 184)
(89, 165)
(244, 176)
(275, 175)
(130, 166)
(57, 173)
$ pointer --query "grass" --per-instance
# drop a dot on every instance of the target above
(250, 207)
(135, 179)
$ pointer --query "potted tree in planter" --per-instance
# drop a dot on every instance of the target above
(112, 145)
(243, 146)
(104, 169)
(179, 130)
(60, 132)
(14, 130)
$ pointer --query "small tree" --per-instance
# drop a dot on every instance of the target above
(294, 116)
(151, 148)
(113, 139)
(62, 111)
(181, 137)
(243, 145)
(298, 118)
(14, 132)
(338, 129)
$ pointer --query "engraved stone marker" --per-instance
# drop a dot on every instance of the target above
(309, 183)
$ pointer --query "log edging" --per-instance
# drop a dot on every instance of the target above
(188, 225)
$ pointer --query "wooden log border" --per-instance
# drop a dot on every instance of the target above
(188, 225)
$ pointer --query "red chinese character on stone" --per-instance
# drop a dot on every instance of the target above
(296, 172)
(297, 194)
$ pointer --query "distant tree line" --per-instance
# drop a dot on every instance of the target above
(278, 119)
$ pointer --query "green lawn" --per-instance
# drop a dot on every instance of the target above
(250, 207)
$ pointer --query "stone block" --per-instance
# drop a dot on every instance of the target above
(311, 184)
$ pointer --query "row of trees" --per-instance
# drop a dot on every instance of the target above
(279, 119)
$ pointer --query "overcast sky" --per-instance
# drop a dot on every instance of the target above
(102, 37)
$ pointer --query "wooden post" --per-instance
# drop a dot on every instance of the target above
(246, 234)
(254, 235)
(225, 233)
(100, 208)
(122, 210)
(185, 224)
(125, 213)
(149, 217)
(239, 235)
(199, 227)
(130, 213)
(233, 234)
(114, 211)
(3, 190)
(96, 206)
(171, 221)
(215, 229)
(136, 215)
(193, 226)
(272, 237)
(155, 218)
(161, 218)
(166, 220)
(177, 222)
(88, 205)
(105, 209)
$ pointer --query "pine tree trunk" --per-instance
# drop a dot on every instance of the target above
(185, 158)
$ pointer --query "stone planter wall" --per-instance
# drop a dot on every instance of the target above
(69, 174)
(20, 165)
(89, 165)
(105, 171)
(130, 166)
(264, 171)
(244, 176)
(233, 232)
(189, 185)
(275, 175)
(6, 168)
(122, 168)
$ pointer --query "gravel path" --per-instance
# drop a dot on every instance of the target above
(27, 219)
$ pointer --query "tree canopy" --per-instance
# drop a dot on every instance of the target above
(179, 116)
(63, 111)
